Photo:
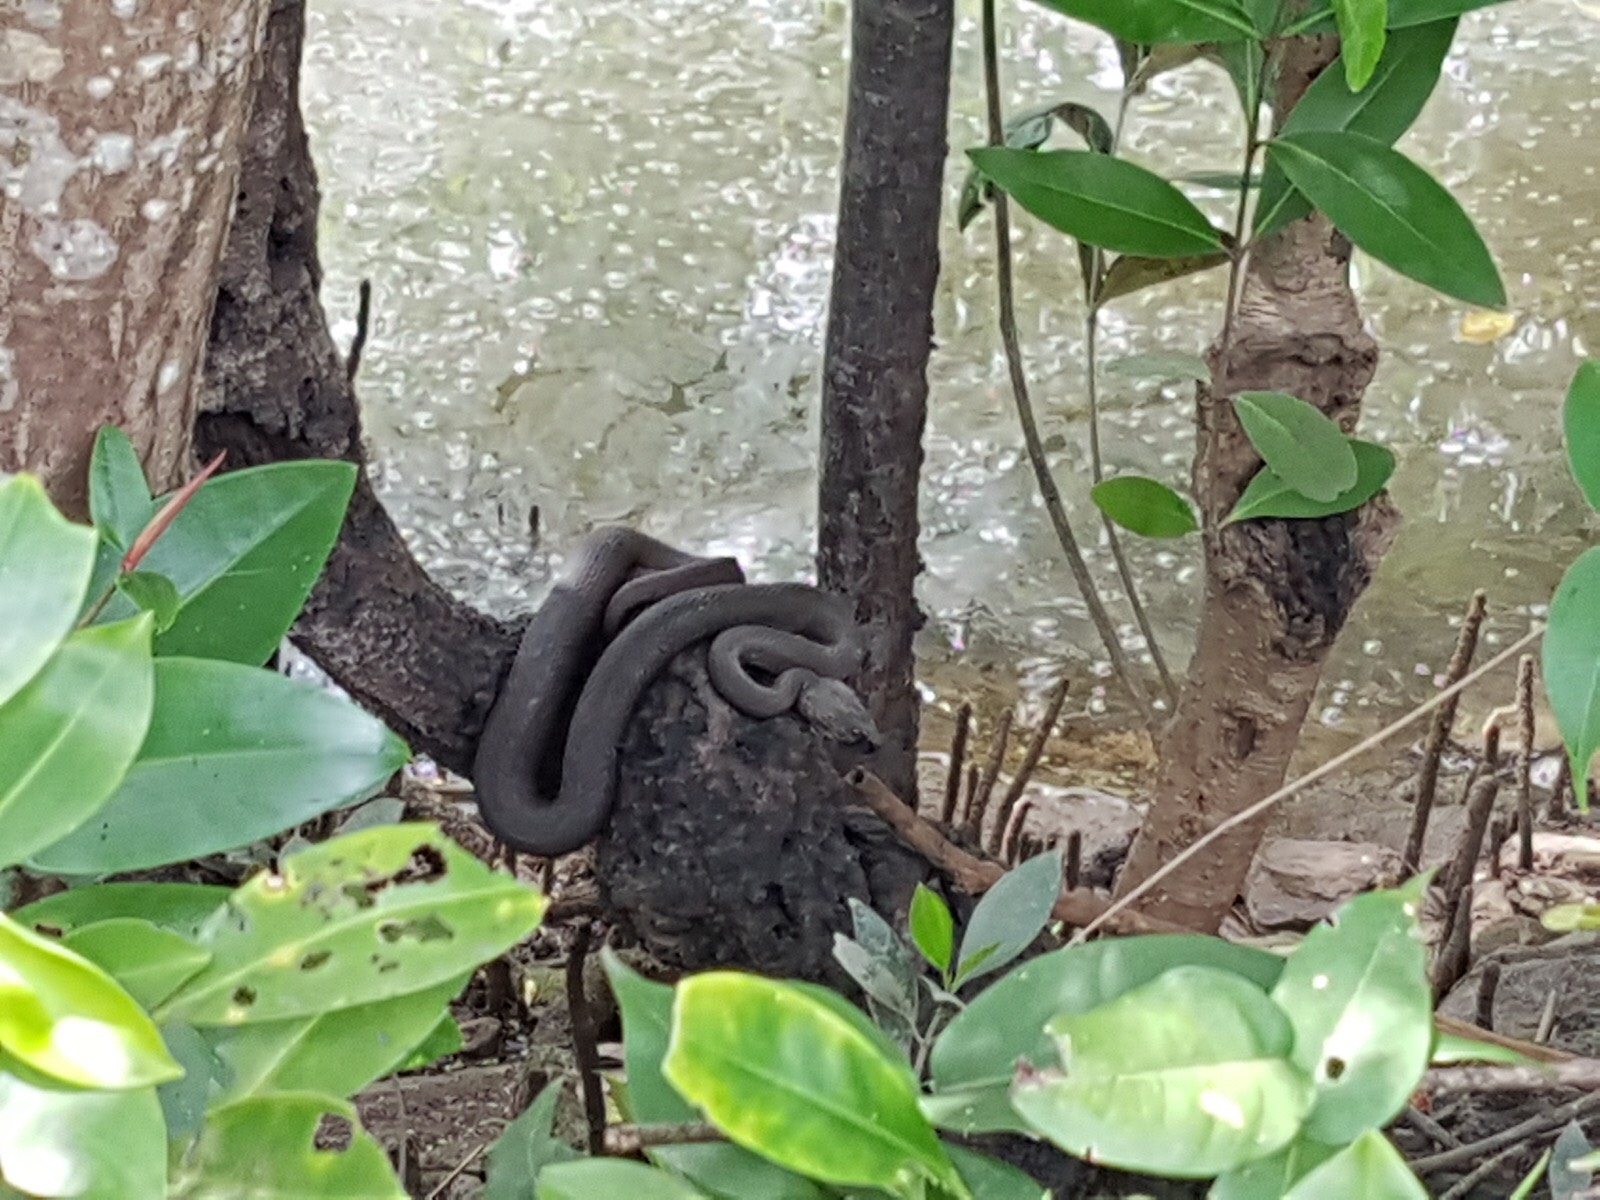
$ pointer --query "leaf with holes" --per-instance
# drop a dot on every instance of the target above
(1144, 506)
(1571, 660)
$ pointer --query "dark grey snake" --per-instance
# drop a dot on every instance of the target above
(546, 767)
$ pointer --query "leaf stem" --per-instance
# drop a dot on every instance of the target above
(1241, 247)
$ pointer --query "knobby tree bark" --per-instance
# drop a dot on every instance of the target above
(879, 337)
(120, 128)
(1277, 592)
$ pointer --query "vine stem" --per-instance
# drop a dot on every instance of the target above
(1024, 405)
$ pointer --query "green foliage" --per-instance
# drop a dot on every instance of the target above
(932, 929)
(1154, 22)
(1581, 424)
(527, 1146)
(1269, 496)
(1009, 917)
(1362, 32)
(1298, 443)
(173, 1039)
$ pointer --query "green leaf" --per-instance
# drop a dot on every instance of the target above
(1269, 496)
(443, 1040)
(1362, 31)
(180, 907)
(972, 1060)
(69, 736)
(184, 1101)
(261, 752)
(364, 917)
(1392, 209)
(1271, 1177)
(150, 963)
(1571, 663)
(336, 1053)
(1451, 1048)
(1160, 364)
(1028, 131)
(1369, 1166)
(244, 553)
(67, 1019)
(1185, 1076)
(89, 1145)
(1357, 993)
(1154, 22)
(1403, 14)
(1400, 86)
(890, 969)
(591, 1178)
(45, 561)
(991, 1179)
(265, 1147)
(1130, 273)
(932, 928)
(1571, 1163)
(526, 1147)
(1566, 918)
(1581, 419)
(1011, 914)
(1101, 200)
(1244, 62)
(1299, 444)
(120, 503)
(785, 1076)
(1144, 506)
(154, 594)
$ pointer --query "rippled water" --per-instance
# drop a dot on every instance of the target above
(600, 236)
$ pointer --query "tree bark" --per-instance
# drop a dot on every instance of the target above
(120, 127)
(1277, 592)
(880, 334)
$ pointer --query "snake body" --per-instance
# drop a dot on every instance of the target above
(546, 768)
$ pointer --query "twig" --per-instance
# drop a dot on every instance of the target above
(1296, 786)
(352, 362)
(958, 756)
(1488, 985)
(975, 875)
(1557, 808)
(1011, 837)
(1074, 864)
(583, 1041)
(1547, 1019)
(1439, 731)
(974, 774)
(1480, 804)
(991, 772)
(1489, 1166)
(1019, 390)
(1451, 962)
(1030, 761)
(455, 1171)
(1531, 1128)
(1525, 763)
(1429, 1128)
(1504, 1079)
(626, 1141)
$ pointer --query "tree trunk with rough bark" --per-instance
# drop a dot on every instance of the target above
(1277, 592)
(880, 335)
(120, 128)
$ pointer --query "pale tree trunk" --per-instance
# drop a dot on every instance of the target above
(1277, 592)
(880, 334)
(120, 126)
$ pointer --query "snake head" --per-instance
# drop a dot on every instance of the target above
(836, 710)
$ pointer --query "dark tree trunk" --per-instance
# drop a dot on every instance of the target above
(1277, 592)
(880, 334)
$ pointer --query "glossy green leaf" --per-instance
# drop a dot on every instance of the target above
(1271, 1177)
(244, 553)
(592, 1178)
(1362, 31)
(973, 1059)
(1160, 364)
(265, 1147)
(891, 969)
(723, 1170)
(1403, 14)
(255, 752)
(1369, 1166)
(932, 928)
(990, 1179)
(1269, 496)
(1144, 506)
(1011, 914)
(1101, 200)
(442, 1041)
(1299, 444)
(1185, 1076)
(1028, 131)
(1129, 273)
(1357, 994)
(120, 503)
(67, 1019)
(1244, 62)
(364, 917)
(184, 1101)
(336, 1053)
(69, 736)
(180, 907)
(784, 1075)
(154, 594)
(1571, 663)
(45, 561)
(1154, 22)
(893, 998)
(1400, 86)
(1392, 209)
(526, 1147)
(149, 962)
(1580, 417)
(89, 1145)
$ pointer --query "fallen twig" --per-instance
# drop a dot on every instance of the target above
(1030, 761)
(625, 1141)
(1439, 732)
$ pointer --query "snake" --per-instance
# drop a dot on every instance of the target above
(545, 771)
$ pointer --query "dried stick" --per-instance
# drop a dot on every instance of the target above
(1030, 761)
(352, 362)
(974, 774)
(1558, 808)
(1074, 865)
(1503, 1079)
(991, 771)
(1439, 732)
(1531, 1128)
(958, 756)
(626, 1141)
(1525, 763)
(1011, 838)
(1454, 951)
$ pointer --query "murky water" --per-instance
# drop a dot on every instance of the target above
(600, 239)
